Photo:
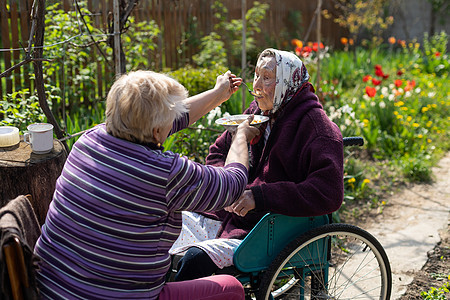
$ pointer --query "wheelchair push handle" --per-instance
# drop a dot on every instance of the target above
(353, 141)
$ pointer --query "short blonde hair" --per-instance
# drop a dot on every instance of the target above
(140, 101)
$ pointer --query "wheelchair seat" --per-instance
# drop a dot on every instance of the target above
(272, 233)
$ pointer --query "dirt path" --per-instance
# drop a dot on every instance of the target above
(409, 227)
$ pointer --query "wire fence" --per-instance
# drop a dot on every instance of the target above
(173, 17)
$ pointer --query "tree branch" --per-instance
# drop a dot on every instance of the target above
(90, 35)
(25, 61)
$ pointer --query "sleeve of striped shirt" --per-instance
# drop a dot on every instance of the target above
(180, 123)
(196, 187)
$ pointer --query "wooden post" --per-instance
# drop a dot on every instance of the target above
(117, 54)
(22, 172)
(319, 28)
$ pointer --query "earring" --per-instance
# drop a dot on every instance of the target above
(159, 145)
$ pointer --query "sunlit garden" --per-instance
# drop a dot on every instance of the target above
(396, 97)
(393, 93)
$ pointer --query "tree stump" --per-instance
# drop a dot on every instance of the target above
(23, 172)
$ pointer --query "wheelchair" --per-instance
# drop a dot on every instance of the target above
(309, 258)
(288, 258)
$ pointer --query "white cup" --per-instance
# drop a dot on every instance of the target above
(40, 137)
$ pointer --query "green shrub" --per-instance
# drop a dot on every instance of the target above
(213, 52)
(21, 108)
(417, 168)
(197, 80)
(435, 59)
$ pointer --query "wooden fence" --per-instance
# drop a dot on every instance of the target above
(173, 18)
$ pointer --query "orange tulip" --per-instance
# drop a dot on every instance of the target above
(344, 40)
(297, 43)
(391, 40)
(410, 85)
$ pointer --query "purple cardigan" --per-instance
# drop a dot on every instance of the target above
(298, 172)
(116, 212)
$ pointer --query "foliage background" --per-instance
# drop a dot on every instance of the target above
(394, 93)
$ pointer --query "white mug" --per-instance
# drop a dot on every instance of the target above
(40, 137)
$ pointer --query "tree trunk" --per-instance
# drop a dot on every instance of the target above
(23, 172)
(38, 71)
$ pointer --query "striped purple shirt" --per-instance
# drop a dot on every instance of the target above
(116, 212)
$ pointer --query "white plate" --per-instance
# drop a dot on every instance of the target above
(232, 122)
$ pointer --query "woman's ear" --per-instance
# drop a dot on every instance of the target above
(157, 134)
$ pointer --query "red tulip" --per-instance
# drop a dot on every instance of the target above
(379, 72)
(371, 91)
(376, 81)
(307, 49)
(367, 78)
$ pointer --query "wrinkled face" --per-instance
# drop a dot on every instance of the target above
(265, 81)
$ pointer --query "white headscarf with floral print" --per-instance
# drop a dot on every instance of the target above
(291, 74)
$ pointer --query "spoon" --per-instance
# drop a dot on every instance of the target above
(251, 92)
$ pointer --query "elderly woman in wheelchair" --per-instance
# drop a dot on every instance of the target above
(296, 170)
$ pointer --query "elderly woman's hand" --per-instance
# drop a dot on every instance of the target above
(243, 205)
(238, 151)
(227, 84)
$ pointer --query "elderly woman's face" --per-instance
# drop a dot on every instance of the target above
(265, 81)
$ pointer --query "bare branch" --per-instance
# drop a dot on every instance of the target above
(70, 136)
(128, 11)
(25, 61)
(88, 44)
(90, 34)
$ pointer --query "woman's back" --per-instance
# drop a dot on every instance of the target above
(115, 214)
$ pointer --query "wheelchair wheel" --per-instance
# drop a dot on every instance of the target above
(336, 261)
